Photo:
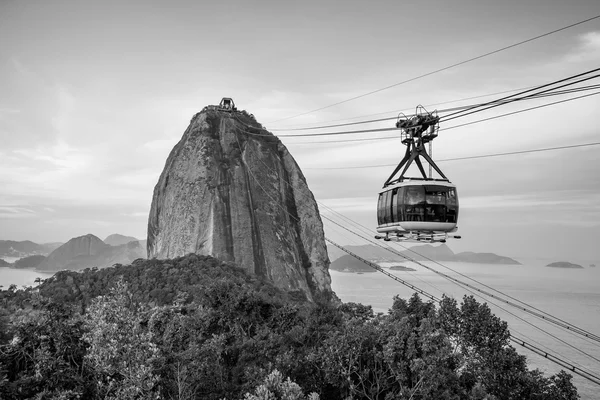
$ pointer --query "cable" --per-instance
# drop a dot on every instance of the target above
(509, 99)
(449, 128)
(467, 107)
(470, 157)
(396, 111)
(441, 69)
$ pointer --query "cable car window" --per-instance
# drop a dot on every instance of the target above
(380, 209)
(415, 200)
(435, 206)
(452, 206)
(394, 205)
(388, 207)
(400, 205)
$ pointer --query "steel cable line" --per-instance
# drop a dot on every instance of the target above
(441, 129)
(396, 111)
(585, 88)
(509, 99)
(469, 157)
(576, 370)
(441, 69)
(551, 319)
(467, 107)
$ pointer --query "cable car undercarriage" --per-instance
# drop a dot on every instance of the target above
(417, 209)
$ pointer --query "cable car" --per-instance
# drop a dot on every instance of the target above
(417, 208)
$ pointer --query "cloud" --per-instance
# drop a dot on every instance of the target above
(587, 49)
(15, 212)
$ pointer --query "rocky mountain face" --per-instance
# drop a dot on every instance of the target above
(230, 189)
(90, 251)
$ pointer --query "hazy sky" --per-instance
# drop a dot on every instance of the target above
(94, 94)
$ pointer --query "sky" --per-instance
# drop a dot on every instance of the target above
(94, 95)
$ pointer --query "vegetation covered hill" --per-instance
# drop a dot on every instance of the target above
(563, 264)
(196, 328)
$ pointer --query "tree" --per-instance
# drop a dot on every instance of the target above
(120, 350)
(275, 388)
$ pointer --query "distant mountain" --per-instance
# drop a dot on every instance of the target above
(563, 264)
(29, 262)
(11, 248)
(89, 251)
(348, 263)
(4, 264)
(485, 258)
(424, 252)
(117, 240)
(50, 247)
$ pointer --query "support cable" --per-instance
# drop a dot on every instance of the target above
(442, 69)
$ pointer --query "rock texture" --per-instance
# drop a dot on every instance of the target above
(230, 189)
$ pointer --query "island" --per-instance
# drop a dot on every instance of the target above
(592, 265)
(348, 263)
(401, 268)
(564, 264)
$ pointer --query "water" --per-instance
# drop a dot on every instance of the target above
(20, 277)
(570, 294)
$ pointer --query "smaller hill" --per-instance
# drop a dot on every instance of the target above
(11, 248)
(30, 262)
(117, 240)
(348, 263)
(564, 264)
(401, 268)
(4, 264)
(77, 248)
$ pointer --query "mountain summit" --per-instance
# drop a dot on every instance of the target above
(231, 189)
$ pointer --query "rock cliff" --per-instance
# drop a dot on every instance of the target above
(231, 189)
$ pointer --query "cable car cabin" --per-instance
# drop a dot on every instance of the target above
(421, 210)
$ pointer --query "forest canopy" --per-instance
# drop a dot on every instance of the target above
(197, 328)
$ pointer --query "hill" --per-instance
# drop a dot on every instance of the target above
(232, 190)
(29, 262)
(564, 264)
(348, 263)
(4, 264)
(11, 248)
(116, 240)
(89, 251)
(424, 252)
